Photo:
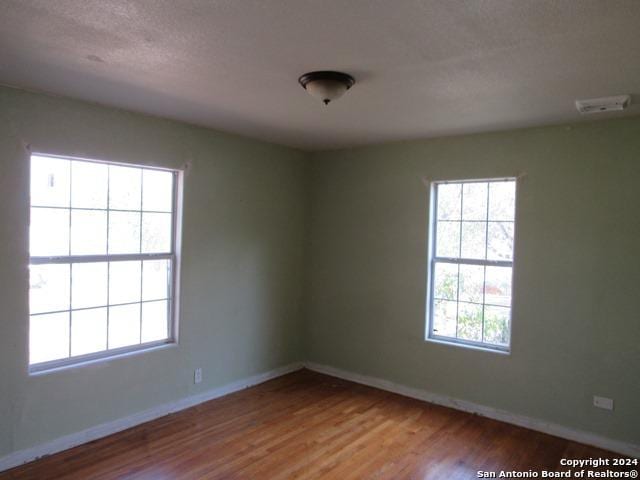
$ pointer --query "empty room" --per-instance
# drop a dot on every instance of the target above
(319, 239)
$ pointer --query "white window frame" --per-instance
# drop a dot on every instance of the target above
(433, 260)
(173, 256)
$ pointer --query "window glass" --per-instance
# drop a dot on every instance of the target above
(472, 263)
(101, 245)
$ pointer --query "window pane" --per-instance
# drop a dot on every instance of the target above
(156, 279)
(49, 288)
(89, 285)
(88, 331)
(474, 201)
(474, 221)
(91, 208)
(470, 321)
(502, 200)
(448, 239)
(49, 232)
(471, 283)
(496, 325)
(48, 337)
(497, 289)
(444, 318)
(124, 187)
(156, 232)
(473, 240)
(500, 241)
(88, 185)
(154, 321)
(49, 182)
(124, 232)
(124, 325)
(157, 190)
(88, 232)
(446, 281)
(449, 201)
(124, 282)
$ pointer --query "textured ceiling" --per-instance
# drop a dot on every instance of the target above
(423, 68)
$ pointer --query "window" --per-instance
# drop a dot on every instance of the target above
(471, 262)
(102, 259)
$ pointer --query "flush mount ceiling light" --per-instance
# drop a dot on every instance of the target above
(326, 85)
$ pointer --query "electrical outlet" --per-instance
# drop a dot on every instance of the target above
(197, 375)
(603, 402)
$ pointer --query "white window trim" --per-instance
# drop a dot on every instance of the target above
(433, 259)
(174, 256)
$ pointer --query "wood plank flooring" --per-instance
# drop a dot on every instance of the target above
(310, 426)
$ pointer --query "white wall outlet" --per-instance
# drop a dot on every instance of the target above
(197, 375)
(603, 402)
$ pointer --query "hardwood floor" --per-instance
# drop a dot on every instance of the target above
(310, 426)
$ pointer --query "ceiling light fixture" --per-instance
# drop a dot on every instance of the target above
(326, 85)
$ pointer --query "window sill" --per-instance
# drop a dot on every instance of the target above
(468, 346)
(92, 359)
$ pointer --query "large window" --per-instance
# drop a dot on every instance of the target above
(102, 259)
(471, 262)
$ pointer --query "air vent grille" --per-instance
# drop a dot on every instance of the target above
(604, 104)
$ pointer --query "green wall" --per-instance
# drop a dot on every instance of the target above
(576, 312)
(291, 256)
(243, 264)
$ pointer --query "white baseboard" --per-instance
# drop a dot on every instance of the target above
(68, 441)
(494, 413)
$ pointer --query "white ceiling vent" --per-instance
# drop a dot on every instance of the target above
(604, 104)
